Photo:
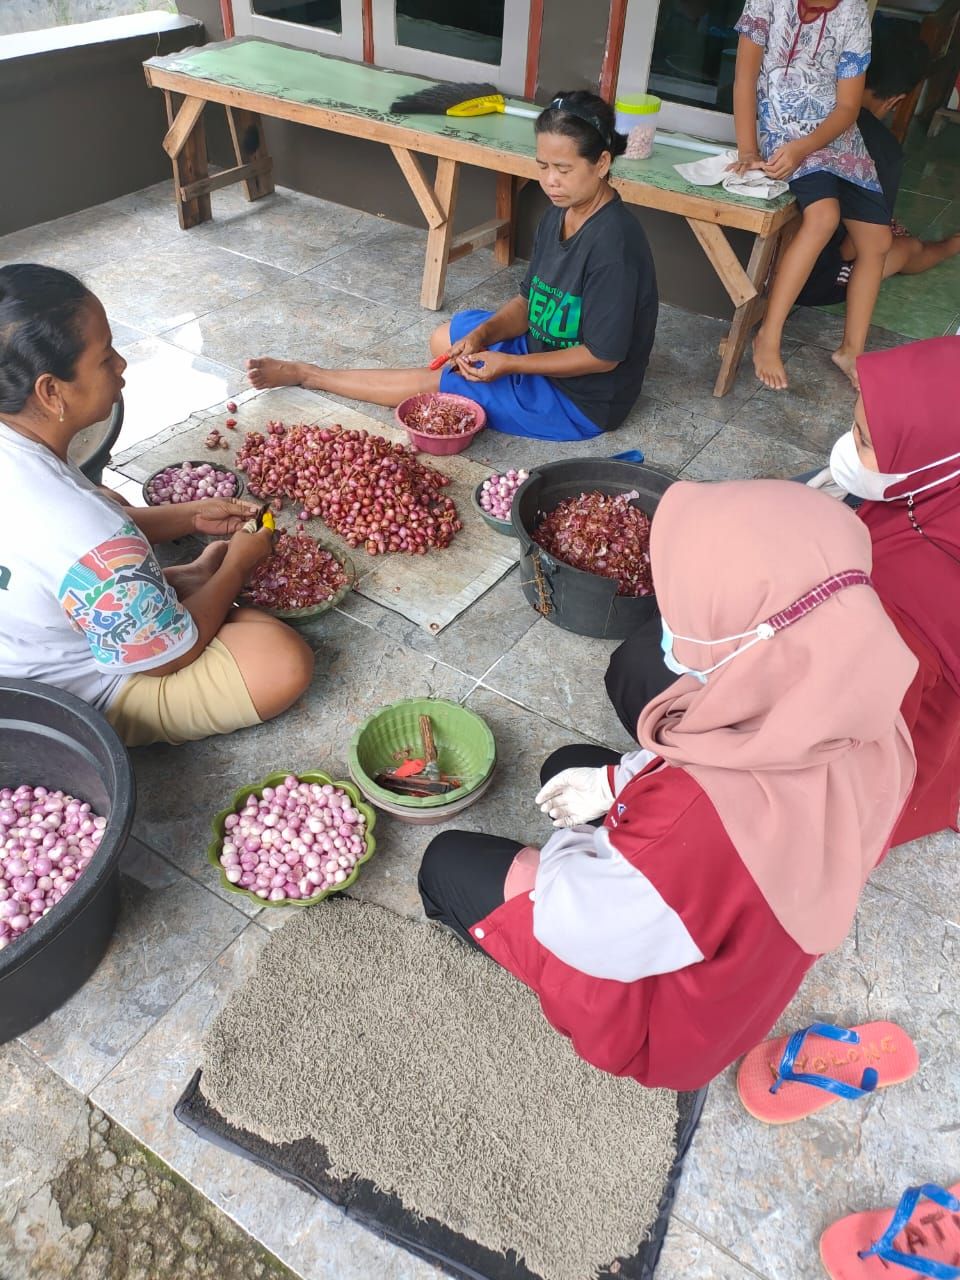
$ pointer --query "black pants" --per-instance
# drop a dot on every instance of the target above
(636, 674)
(463, 872)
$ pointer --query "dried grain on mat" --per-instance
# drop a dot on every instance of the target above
(420, 1064)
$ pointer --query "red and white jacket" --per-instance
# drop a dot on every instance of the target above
(646, 939)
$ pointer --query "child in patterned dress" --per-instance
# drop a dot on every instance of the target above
(799, 84)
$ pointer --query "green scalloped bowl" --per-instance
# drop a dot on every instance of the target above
(465, 748)
(272, 780)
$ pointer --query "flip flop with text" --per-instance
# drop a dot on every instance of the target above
(916, 1240)
(790, 1077)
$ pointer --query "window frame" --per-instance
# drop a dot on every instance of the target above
(637, 53)
(509, 75)
(348, 44)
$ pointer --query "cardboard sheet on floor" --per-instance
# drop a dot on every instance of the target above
(430, 590)
(414, 1082)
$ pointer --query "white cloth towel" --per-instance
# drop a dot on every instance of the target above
(712, 171)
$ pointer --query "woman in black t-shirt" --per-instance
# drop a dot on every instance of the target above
(565, 358)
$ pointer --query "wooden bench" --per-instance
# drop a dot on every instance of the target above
(254, 78)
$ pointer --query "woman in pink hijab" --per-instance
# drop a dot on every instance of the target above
(734, 846)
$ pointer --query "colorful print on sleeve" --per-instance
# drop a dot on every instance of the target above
(117, 596)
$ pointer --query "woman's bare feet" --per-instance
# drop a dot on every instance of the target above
(266, 372)
(189, 578)
(847, 362)
(768, 364)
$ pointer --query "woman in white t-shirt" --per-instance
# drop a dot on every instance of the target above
(84, 605)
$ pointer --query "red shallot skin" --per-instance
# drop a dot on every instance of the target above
(601, 534)
(436, 417)
(374, 493)
(297, 575)
(47, 838)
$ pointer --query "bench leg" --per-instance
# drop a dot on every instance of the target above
(506, 213)
(188, 154)
(439, 237)
(250, 148)
(750, 312)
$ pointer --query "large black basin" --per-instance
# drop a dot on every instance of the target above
(53, 739)
(577, 601)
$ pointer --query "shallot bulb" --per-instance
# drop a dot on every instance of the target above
(437, 416)
(190, 482)
(604, 535)
(294, 841)
(496, 495)
(47, 838)
(375, 494)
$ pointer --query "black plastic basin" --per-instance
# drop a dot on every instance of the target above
(577, 601)
(52, 739)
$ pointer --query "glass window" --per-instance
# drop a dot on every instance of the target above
(473, 31)
(325, 15)
(695, 51)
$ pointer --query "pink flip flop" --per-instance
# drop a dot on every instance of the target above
(877, 1246)
(777, 1084)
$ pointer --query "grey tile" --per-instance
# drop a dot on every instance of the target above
(736, 454)
(815, 327)
(524, 740)
(81, 242)
(560, 676)
(289, 230)
(472, 643)
(299, 319)
(170, 929)
(164, 385)
(180, 789)
(925, 872)
(43, 1125)
(815, 409)
(306, 1233)
(173, 284)
(899, 964)
(389, 270)
(685, 361)
(687, 1255)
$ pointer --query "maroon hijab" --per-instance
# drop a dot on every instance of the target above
(911, 399)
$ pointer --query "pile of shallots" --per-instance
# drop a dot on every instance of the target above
(46, 840)
(375, 494)
(297, 840)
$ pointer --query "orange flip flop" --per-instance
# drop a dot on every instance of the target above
(859, 1059)
(876, 1246)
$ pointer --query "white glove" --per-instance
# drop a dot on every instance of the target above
(575, 796)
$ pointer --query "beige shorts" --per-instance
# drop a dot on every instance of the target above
(206, 698)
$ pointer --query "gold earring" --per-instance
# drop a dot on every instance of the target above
(61, 413)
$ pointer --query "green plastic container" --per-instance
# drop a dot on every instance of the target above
(465, 748)
(272, 780)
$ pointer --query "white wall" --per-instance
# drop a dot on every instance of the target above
(34, 15)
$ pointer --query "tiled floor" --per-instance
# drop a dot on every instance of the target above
(300, 277)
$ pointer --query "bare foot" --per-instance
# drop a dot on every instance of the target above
(767, 363)
(847, 362)
(267, 372)
(189, 578)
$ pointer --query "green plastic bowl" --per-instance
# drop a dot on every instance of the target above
(273, 780)
(465, 748)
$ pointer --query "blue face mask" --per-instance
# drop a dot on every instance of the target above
(763, 632)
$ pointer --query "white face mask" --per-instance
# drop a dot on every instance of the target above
(763, 632)
(850, 473)
(852, 476)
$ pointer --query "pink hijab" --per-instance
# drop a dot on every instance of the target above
(798, 742)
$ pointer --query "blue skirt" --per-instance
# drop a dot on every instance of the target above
(522, 404)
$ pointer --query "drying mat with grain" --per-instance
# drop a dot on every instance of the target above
(383, 1064)
(430, 590)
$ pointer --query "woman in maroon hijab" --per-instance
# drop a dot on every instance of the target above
(902, 458)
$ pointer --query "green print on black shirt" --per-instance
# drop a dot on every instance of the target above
(554, 316)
